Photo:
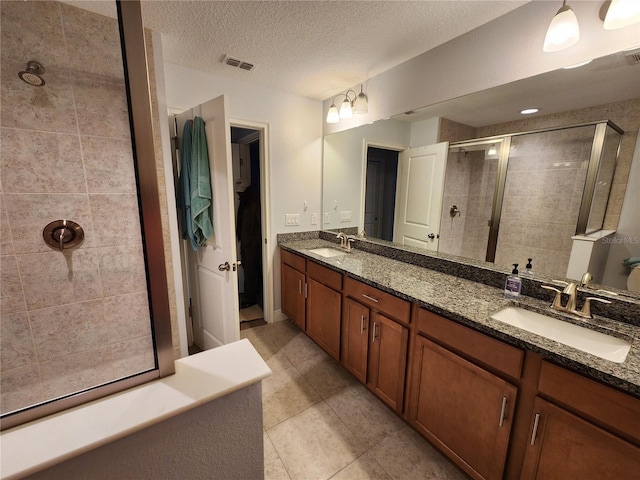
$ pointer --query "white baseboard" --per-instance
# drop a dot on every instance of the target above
(278, 316)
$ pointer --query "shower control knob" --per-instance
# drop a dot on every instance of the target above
(63, 234)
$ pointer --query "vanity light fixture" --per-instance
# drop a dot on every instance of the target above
(621, 13)
(357, 103)
(529, 111)
(563, 31)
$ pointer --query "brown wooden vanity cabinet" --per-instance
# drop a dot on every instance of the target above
(293, 287)
(581, 429)
(462, 408)
(375, 338)
(324, 302)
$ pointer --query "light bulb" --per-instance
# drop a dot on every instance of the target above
(563, 31)
(332, 114)
(622, 13)
(345, 109)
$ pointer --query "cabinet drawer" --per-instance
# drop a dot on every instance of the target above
(597, 402)
(378, 300)
(325, 275)
(293, 260)
(480, 347)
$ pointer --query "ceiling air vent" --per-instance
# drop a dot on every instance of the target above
(234, 62)
(633, 57)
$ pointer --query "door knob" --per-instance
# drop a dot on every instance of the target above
(431, 236)
(224, 267)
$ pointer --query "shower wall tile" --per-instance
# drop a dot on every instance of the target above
(20, 387)
(115, 219)
(133, 356)
(101, 108)
(39, 162)
(16, 344)
(30, 213)
(6, 243)
(55, 278)
(66, 329)
(122, 269)
(77, 372)
(108, 164)
(128, 315)
(87, 33)
(11, 293)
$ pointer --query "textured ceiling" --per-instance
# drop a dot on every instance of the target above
(312, 48)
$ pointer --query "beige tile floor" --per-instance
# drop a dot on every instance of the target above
(321, 423)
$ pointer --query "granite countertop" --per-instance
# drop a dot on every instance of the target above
(472, 304)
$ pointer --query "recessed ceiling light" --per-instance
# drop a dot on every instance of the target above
(576, 65)
(528, 111)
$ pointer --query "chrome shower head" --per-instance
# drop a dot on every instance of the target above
(32, 74)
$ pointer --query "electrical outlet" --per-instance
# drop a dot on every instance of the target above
(314, 219)
(292, 219)
(327, 218)
(345, 216)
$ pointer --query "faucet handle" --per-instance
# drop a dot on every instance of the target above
(586, 278)
(586, 308)
(557, 300)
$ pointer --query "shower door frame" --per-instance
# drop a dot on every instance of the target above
(503, 162)
(140, 119)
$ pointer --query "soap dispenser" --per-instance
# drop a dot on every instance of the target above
(528, 268)
(513, 284)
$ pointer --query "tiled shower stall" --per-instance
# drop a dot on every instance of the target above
(78, 318)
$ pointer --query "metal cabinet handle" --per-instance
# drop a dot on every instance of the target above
(375, 332)
(535, 429)
(370, 298)
(299, 287)
(306, 290)
(503, 411)
(362, 319)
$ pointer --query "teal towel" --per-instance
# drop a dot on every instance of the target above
(200, 185)
(631, 261)
(184, 189)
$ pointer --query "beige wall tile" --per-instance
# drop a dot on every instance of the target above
(20, 388)
(30, 213)
(6, 243)
(108, 164)
(115, 219)
(128, 315)
(133, 356)
(16, 344)
(66, 329)
(11, 294)
(40, 162)
(101, 108)
(122, 269)
(55, 278)
(76, 372)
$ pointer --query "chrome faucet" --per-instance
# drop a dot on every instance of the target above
(350, 239)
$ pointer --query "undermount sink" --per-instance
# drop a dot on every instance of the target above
(596, 343)
(327, 252)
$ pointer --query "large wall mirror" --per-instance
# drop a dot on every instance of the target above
(366, 172)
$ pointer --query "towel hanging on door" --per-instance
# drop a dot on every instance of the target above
(184, 188)
(200, 185)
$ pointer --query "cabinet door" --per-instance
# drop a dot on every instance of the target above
(461, 408)
(323, 316)
(355, 328)
(388, 360)
(568, 447)
(293, 298)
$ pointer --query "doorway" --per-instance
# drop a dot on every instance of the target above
(248, 200)
(380, 197)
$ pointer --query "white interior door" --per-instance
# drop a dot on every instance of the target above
(419, 196)
(213, 268)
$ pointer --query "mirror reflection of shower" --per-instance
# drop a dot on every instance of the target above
(32, 74)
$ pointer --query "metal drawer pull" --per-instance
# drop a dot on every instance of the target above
(503, 411)
(535, 429)
(370, 298)
(299, 286)
(361, 324)
(306, 290)
(375, 333)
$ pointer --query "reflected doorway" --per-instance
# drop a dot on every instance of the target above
(380, 197)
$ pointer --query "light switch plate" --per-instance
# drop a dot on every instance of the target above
(345, 216)
(292, 219)
(327, 218)
(314, 219)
